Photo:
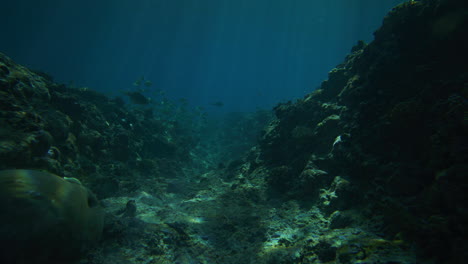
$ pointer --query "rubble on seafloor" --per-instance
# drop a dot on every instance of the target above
(369, 168)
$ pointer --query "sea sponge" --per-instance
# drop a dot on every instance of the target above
(45, 218)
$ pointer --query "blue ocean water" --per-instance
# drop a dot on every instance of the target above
(243, 54)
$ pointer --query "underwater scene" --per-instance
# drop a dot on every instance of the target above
(234, 132)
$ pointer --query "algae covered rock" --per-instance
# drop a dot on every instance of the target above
(45, 218)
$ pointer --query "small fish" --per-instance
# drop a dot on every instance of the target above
(138, 98)
(217, 104)
(148, 83)
(138, 82)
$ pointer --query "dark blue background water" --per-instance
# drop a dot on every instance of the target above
(245, 53)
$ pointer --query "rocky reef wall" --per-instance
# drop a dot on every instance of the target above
(76, 132)
(385, 137)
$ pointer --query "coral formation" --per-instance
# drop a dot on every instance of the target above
(397, 106)
(76, 132)
(45, 218)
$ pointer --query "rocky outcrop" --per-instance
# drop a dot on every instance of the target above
(386, 133)
(46, 218)
(76, 132)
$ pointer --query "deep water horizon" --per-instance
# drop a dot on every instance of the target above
(246, 54)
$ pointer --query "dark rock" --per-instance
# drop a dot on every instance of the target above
(325, 251)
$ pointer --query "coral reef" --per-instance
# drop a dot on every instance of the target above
(76, 132)
(389, 124)
(369, 168)
(45, 218)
